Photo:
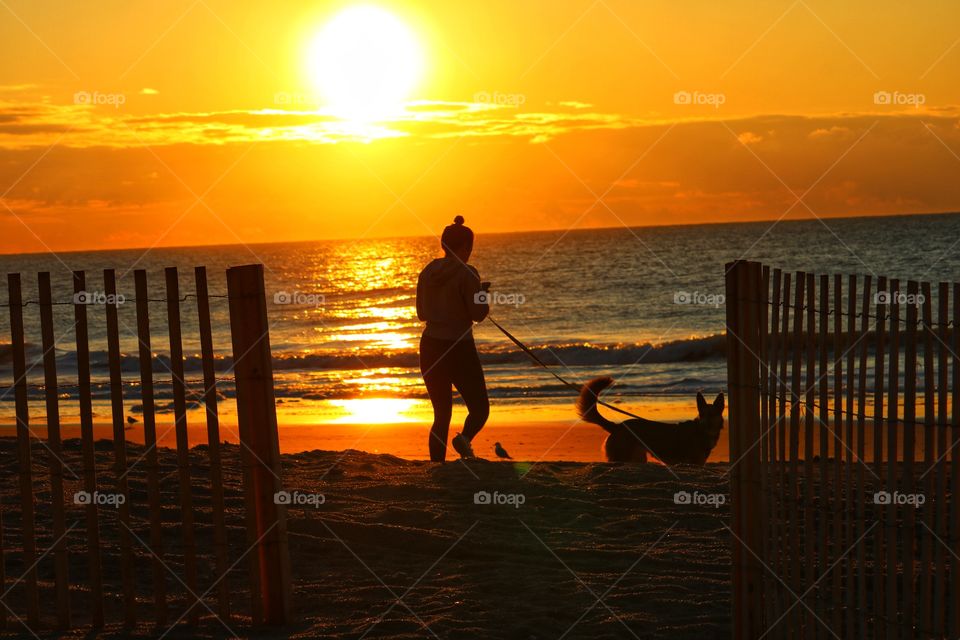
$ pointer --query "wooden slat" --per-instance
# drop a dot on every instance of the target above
(782, 567)
(257, 418)
(127, 577)
(954, 538)
(766, 579)
(734, 350)
(142, 293)
(743, 295)
(879, 628)
(809, 551)
(213, 442)
(3, 575)
(95, 575)
(909, 453)
(893, 400)
(61, 560)
(24, 462)
(823, 379)
(750, 460)
(836, 514)
(183, 443)
(943, 419)
(861, 490)
(845, 566)
(775, 489)
(796, 583)
(925, 610)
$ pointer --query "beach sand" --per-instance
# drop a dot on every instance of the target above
(534, 434)
(576, 550)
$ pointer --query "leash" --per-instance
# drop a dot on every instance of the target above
(545, 366)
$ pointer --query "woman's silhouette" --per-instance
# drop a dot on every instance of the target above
(450, 298)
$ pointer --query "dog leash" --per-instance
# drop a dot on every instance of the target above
(545, 366)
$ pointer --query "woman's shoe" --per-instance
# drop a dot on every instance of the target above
(462, 446)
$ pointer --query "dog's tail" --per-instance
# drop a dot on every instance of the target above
(587, 403)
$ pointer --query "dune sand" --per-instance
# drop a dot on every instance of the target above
(574, 550)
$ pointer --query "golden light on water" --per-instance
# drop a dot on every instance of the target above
(374, 410)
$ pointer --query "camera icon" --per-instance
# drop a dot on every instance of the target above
(82, 297)
(282, 497)
(82, 97)
(882, 497)
(882, 97)
(682, 97)
(82, 497)
(882, 297)
(682, 497)
(481, 297)
(482, 97)
(681, 297)
(482, 497)
(282, 297)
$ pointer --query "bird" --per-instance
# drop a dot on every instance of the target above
(500, 451)
(131, 420)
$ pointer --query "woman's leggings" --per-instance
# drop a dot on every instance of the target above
(445, 364)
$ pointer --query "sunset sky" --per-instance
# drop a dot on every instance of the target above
(139, 123)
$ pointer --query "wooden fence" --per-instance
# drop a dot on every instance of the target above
(844, 430)
(264, 552)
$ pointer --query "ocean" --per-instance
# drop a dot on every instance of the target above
(644, 305)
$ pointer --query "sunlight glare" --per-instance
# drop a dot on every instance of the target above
(365, 62)
(374, 410)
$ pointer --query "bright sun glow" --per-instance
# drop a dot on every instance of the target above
(374, 410)
(365, 62)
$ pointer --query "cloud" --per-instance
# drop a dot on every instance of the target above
(80, 173)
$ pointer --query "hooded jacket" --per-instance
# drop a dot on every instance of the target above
(447, 298)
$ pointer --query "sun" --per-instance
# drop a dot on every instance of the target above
(365, 62)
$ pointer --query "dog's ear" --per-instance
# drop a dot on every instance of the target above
(718, 403)
(701, 405)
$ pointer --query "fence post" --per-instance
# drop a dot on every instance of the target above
(743, 373)
(259, 442)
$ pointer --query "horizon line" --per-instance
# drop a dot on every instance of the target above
(867, 216)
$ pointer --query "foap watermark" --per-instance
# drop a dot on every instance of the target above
(699, 98)
(289, 98)
(99, 498)
(299, 298)
(115, 100)
(899, 99)
(515, 500)
(697, 498)
(499, 298)
(899, 298)
(500, 99)
(98, 297)
(899, 499)
(299, 499)
(699, 298)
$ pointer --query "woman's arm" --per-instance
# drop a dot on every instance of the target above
(477, 306)
(419, 298)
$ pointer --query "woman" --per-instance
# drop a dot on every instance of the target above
(450, 298)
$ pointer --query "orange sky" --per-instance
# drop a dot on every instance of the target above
(210, 129)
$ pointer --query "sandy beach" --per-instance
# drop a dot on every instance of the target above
(575, 550)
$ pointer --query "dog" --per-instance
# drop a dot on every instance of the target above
(689, 442)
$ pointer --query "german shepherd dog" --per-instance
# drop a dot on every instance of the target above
(689, 442)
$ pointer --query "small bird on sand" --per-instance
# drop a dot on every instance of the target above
(500, 451)
(131, 420)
